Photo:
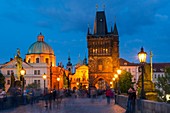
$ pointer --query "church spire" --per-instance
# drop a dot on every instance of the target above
(69, 64)
(115, 31)
(88, 30)
(40, 37)
(85, 60)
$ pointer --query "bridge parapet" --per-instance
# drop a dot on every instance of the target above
(145, 106)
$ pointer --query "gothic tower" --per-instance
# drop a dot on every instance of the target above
(69, 64)
(103, 51)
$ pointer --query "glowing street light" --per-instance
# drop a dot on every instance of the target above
(58, 80)
(44, 77)
(22, 72)
(119, 71)
(142, 58)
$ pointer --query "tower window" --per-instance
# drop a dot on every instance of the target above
(47, 60)
(37, 60)
(29, 60)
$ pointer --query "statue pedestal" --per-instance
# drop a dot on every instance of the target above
(149, 89)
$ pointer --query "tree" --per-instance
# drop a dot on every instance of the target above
(163, 85)
(33, 85)
(125, 81)
(2, 81)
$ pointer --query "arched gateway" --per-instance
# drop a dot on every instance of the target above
(103, 51)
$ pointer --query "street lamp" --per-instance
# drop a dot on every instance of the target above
(77, 84)
(44, 77)
(58, 79)
(116, 77)
(142, 59)
(22, 72)
(119, 72)
(111, 83)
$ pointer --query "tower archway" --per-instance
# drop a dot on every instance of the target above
(100, 83)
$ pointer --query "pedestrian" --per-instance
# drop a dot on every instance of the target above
(25, 97)
(46, 96)
(131, 100)
(54, 94)
(31, 96)
(2, 96)
(112, 95)
(108, 95)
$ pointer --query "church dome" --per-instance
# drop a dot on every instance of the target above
(40, 47)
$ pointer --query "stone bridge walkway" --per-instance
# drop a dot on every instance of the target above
(70, 105)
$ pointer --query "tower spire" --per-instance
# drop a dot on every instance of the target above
(69, 64)
(88, 30)
(100, 25)
(115, 31)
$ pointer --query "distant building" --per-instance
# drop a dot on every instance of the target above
(80, 77)
(40, 59)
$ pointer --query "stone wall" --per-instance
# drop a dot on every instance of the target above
(145, 106)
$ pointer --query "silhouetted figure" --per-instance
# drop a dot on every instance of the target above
(131, 100)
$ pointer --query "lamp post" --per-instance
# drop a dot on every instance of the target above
(113, 82)
(119, 72)
(116, 77)
(44, 77)
(58, 80)
(77, 84)
(22, 72)
(142, 59)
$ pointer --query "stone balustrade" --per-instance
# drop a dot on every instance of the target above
(145, 106)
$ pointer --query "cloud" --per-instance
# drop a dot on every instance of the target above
(161, 17)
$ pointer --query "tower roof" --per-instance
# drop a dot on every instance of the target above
(100, 25)
(115, 31)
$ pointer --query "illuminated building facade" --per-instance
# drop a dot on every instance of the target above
(103, 52)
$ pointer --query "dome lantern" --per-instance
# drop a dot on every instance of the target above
(40, 37)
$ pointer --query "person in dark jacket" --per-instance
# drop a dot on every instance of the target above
(131, 100)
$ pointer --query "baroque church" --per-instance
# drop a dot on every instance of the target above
(39, 60)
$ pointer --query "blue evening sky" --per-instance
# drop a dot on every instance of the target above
(64, 24)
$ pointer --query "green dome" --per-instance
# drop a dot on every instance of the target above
(40, 47)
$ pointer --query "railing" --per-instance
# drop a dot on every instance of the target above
(145, 106)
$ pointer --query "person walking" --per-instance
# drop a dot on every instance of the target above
(2, 96)
(108, 95)
(46, 96)
(131, 100)
(54, 94)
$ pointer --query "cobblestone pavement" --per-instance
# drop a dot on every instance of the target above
(70, 105)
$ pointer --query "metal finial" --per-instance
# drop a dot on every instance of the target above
(96, 7)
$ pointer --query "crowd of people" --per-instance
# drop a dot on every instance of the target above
(32, 95)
